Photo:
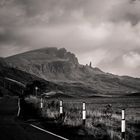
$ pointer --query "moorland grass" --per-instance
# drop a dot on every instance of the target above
(102, 119)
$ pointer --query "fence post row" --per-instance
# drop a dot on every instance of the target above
(61, 107)
(123, 125)
(84, 113)
(84, 116)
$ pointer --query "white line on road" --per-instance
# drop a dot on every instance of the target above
(48, 132)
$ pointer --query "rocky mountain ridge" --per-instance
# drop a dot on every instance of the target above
(61, 66)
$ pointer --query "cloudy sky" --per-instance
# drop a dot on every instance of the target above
(106, 32)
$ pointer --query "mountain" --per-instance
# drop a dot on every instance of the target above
(13, 73)
(64, 90)
(6, 71)
(52, 64)
(62, 67)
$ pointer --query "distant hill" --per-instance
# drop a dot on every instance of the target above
(13, 73)
(26, 78)
(62, 67)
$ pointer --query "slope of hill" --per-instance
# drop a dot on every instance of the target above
(52, 64)
(32, 80)
(13, 73)
(18, 75)
(62, 67)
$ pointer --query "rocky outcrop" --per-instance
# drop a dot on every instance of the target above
(48, 63)
(59, 65)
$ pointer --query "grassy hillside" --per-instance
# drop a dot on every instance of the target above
(68, 90)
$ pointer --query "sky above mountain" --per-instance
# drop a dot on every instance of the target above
(106, 32)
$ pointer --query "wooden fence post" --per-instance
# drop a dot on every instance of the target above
(123, 124)
(84, 113)
(61, 107)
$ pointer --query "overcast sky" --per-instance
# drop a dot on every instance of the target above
(106, 32)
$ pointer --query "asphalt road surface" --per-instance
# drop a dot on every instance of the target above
(13, 129)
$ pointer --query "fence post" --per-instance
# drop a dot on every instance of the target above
(18, 107)
(36, 88)
(123, 124)
(41, 103)
(61, 107)
(84, 113)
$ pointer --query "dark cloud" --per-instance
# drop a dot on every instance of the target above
(60, 11)
(103, 31)
(126, 10)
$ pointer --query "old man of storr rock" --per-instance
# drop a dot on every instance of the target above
(69, 69)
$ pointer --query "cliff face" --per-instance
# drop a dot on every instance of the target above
(52, 64)
(49, 63)
(62, 66)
